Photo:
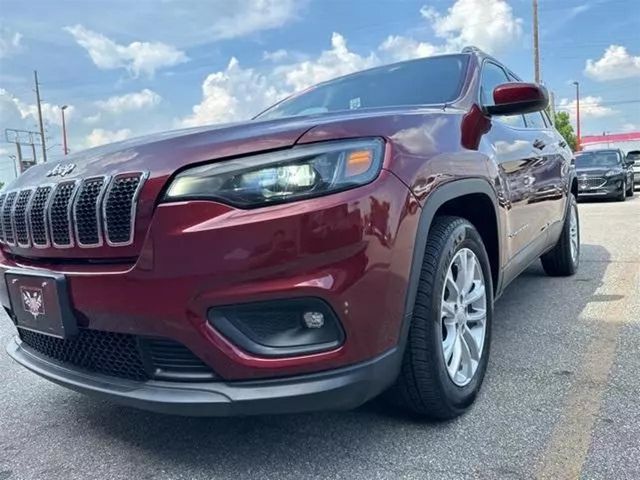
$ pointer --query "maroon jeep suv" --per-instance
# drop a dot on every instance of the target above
(350, 240)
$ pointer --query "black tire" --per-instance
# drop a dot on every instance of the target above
(558, 262)
(622, 196)
(423, 386)
(630, 192)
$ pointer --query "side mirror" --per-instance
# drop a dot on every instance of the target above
(516, 98)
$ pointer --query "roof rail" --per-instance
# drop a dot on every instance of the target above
(472, 49)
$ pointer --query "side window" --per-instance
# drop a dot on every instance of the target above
(535, 120)
(492, 76)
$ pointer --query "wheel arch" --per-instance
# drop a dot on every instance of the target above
(448, 199)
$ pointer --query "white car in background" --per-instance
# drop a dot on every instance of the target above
(634, 156)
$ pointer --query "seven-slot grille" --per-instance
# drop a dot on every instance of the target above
(86, 213)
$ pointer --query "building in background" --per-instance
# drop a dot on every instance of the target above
(624, 141)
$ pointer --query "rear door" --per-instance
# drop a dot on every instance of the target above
(548, 173)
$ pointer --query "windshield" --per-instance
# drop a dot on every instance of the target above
(427, 81)
(606, 158)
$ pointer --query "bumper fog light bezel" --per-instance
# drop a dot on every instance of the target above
(237, 323)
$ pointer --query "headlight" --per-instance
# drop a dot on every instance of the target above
(612, 173)
(287, 175)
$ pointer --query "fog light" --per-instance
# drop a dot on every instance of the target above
(279, 328)
(313, 319)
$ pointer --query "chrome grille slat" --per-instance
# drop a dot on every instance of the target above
(37, 213)
(88, 213)
(20, 226)
(7, 222)
(119, 208)
(2, 197)
(60, 214)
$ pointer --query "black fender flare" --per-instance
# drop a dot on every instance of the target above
(435, 200)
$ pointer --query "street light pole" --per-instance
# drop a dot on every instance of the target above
(64, 130)
(577, 84)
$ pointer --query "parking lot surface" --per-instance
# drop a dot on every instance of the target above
(560, 400)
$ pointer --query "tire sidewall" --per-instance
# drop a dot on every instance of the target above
(464, 236)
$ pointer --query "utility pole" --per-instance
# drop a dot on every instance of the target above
(44, 148)
(536, 50)
(64, 130)
(577, 84)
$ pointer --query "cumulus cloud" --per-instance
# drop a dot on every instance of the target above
(590, 107)
(18, 114)
(233, 94)
(398, 48)
(137, 57)
(336, 61)
(131, 101)
(10, 42)
(276, 56)
(238, 93)
(241, 17)
(616, 63)
(487, 24)
(100, 136)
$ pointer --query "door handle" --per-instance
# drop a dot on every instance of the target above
(539, 144)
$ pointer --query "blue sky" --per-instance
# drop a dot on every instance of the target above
(127, 68)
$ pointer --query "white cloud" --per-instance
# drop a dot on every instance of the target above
(276, 56)
(131, 101)
(18, 114)
(616, 63)
(590, 107)
(100, 136)
(630, 127)
(237, 93)
(137, 57)
(242, 17)
(487, 24)
(10, 42)
(233, 94)
(338, 60)
(398, 48)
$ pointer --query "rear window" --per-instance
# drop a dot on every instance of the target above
(427, 81)
(605, 158)
(635, 156)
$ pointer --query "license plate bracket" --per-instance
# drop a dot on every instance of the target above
(40, 302)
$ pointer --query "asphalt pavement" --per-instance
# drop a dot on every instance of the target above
(560, 400)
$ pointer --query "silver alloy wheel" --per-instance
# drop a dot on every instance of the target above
(573, 234)
(463, 316)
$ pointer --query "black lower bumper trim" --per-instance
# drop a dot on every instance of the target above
(338, 389)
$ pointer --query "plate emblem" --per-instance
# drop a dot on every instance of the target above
(32, 301)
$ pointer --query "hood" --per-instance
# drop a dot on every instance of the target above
(163, 153)
(155, 158)
(596, 170)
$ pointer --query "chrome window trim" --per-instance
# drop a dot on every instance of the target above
(106, 180)
(134, 205)
(69, 215)
(45, 215)
(26, 222)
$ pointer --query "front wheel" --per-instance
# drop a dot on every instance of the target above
(448, 346)
(563, 259)
(630, 191)
(622, 196)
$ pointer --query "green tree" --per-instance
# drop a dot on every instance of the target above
(563, 125)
